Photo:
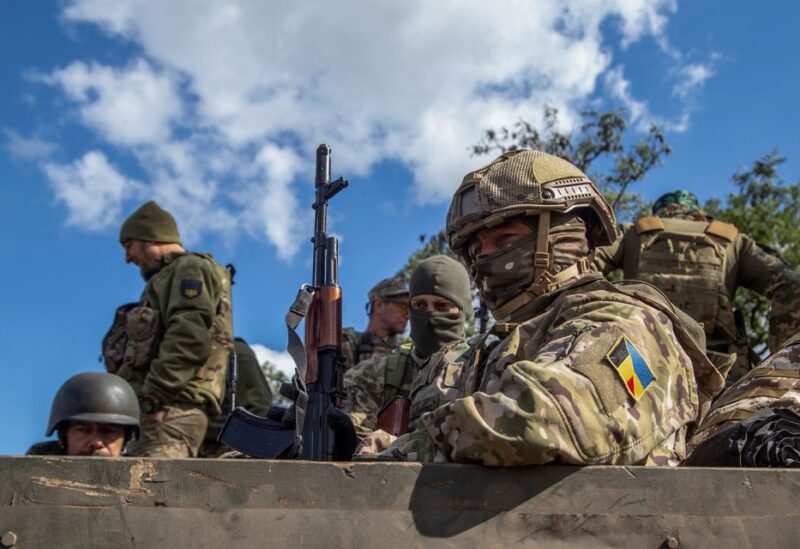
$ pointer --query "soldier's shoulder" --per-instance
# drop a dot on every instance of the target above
(46, 448)
(194, 260)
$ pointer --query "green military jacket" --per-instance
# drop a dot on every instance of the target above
(359, 346)
(374, 382)
(591, 374)
(180, 335)
(252, 390)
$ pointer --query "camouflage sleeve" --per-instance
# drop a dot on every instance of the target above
(766, 273)
(364, 384)
(609, 258)
(252, 389)
(187, 310)
(570, 403)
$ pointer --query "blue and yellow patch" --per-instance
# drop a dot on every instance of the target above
(191, 288)
(631, 367)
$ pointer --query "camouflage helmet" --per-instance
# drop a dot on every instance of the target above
(530, 183)
(95, 397)
(387, 288)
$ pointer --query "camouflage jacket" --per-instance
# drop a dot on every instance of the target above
(596, 375)
(359, 346)
(743, 263)
(775, 383)
(375, 381)
(183, 332)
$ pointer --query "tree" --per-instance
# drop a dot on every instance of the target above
(275, 378)
(766, 209)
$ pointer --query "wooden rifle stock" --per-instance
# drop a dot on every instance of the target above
(393, 417)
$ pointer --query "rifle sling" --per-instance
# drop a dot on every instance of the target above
(297, 350)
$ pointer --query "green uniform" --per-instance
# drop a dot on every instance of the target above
(176, 351)
(360, 346)
(594, 375)
(252, 393)
(699, 264)
(374, 382)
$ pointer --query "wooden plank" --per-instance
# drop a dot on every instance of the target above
(91, 502)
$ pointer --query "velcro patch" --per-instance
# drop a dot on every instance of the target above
(631, 367)
(191, 288)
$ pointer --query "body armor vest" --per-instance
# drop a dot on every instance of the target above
(687, 260)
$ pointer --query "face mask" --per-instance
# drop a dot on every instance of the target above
(505, 273)
(430, 331)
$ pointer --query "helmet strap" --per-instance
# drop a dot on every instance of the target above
(546, 283)
(541, 258)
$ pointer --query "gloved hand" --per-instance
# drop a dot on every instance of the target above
(345, 439)
(285, 414)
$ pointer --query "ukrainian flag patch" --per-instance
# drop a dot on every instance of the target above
(631, 367)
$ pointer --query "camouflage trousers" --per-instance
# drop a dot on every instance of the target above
(179, 435)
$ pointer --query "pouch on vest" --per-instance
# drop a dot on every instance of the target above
(116, 339)
(399, 374)
(142, 328)
(687, 261)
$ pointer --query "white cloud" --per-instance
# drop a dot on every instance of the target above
(281, 359)
(31, 148)
(134, 105)
(230, 98)
(693, 76)
(92, 189)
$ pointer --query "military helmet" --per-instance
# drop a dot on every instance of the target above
(95, 397)
(525, 182)
(387, 288)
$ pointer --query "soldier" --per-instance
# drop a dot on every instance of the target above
(440, 303)
(95, 414)
(577, 370)
(387, 308)
(252, 393)
(699, 263)
(176, 341)
(756, 422)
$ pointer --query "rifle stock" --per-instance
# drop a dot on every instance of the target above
(393, 417)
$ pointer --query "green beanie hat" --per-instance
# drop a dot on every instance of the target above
(443, 276)
(150, 223)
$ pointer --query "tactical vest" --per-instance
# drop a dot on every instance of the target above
(442, 379)
(688, 261)
(401, 369)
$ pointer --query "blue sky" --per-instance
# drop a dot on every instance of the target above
(215, 109)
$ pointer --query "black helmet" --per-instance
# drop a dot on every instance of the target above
(95, 397)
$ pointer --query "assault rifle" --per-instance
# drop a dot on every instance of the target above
(317, 383)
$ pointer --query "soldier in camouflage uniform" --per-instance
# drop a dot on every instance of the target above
(577, 370)
(756, 422)
(440, 303)
(252, 393)
(699, 263)
(174, 345)
(387, 307)
(95, 414)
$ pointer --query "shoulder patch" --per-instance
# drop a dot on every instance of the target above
(191, 288)
(631, 367)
